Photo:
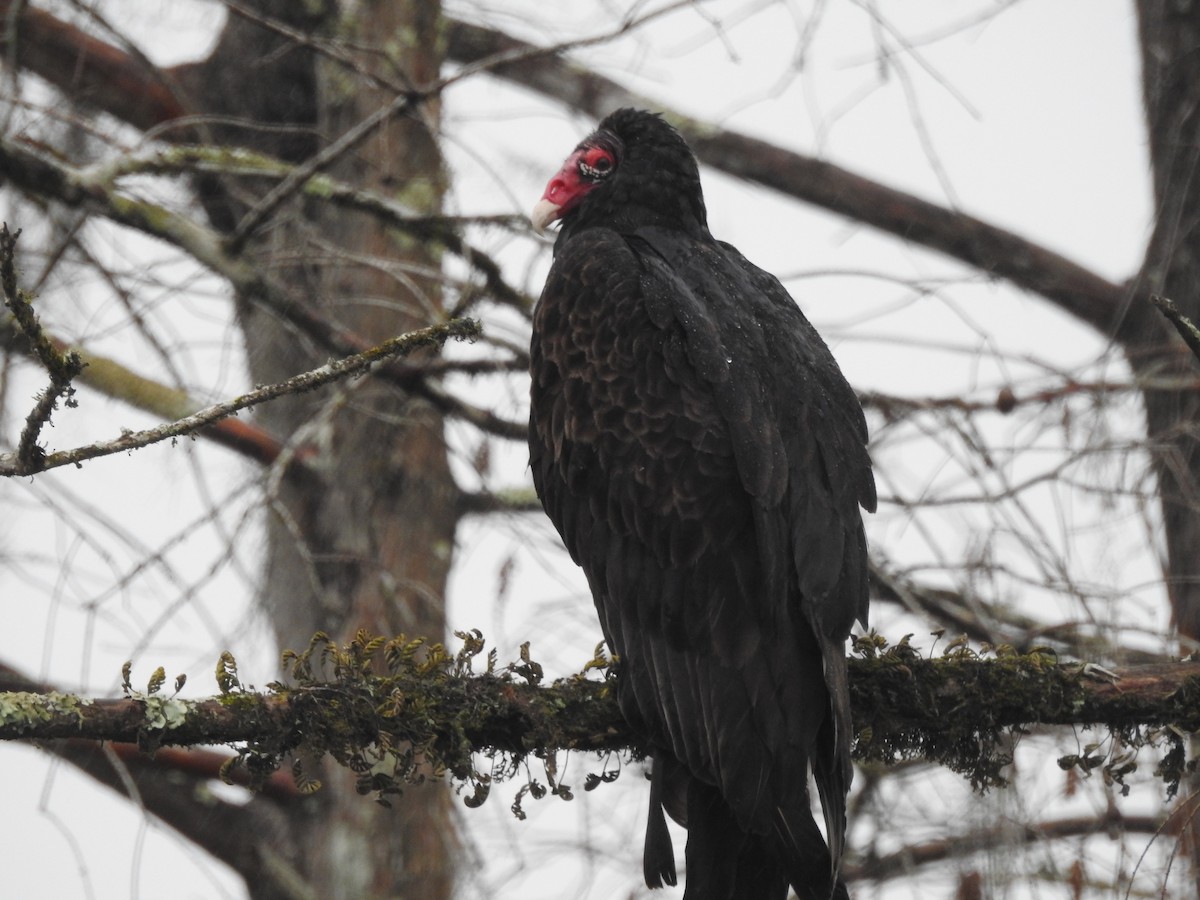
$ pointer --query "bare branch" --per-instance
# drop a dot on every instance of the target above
(87, 67)
(908, 858)
(62, 367)
(237, 162)
(292, 182)
(435, 335)
(993, 250)
(117, 381)
(483, 419)
(1186, 327)
(895, 407)
(516, 501)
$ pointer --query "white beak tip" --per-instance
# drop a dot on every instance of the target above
(543, 214)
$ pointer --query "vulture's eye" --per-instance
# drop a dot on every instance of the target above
(596, 163)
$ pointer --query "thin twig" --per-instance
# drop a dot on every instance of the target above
(332, 371)
(62, 367)
(1186, 327)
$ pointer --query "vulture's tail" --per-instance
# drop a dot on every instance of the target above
(726, 863)
(658, 858)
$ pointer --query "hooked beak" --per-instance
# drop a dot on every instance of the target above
(543, 214)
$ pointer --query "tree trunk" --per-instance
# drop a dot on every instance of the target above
(1169, 34)
(368, 544)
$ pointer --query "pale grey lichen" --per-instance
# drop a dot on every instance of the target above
(26, 709)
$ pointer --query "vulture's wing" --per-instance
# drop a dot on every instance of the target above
(703, 459)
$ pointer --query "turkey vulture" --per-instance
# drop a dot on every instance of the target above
(704, 460)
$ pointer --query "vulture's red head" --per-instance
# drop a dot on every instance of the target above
(634, 170)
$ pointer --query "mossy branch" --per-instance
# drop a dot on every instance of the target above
(955, 710)
(395, 709)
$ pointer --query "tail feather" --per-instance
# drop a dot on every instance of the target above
(726, 863)
(807, 859)
(723, 862)
(832, 769)
(658, 856)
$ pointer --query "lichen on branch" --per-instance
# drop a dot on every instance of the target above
(961, 709)
(399, 710)
(61, 367)
(334, 370)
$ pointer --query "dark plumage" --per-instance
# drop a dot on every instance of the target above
(704, 460)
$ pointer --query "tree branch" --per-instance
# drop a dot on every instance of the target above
(172, 786)
(61, 367)
(993, 250)
(89, 69)
(90, 191)
(521, 500)
(435, 335)
(952, 710)
(881, 868)
(77, 63)
(236, 162)
(1186, 327)
(114, 380)
(299, 175)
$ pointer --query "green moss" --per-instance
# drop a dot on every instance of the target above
(244, 703)
(400, 710)
(967, 710)
(401, 43)
(420, 194)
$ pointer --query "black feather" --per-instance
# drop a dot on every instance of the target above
(658, 858)
(704, 459)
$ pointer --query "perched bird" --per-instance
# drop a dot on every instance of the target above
(704, 459)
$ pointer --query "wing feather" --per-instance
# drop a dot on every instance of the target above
(704, 461)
